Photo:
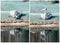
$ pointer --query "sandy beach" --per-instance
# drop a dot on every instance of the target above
(14, 24)
(45, 27)
(31, 26)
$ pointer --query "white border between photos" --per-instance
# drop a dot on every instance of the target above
(59, 21)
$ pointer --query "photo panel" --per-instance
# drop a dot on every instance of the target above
(15, 21)
(44, 21)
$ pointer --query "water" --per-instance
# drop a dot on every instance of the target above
(21, 36)
(50, 36)
(14, 0)
(14, 5)
(7, 16)
(37, 18)
(37, 6)
(24, 6)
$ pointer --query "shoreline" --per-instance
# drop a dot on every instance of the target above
(32, 27)
(16, 21)
(14, 24)
(27, 24)
(49, 25)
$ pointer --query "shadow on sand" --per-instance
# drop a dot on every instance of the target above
(19, 17)
(50, 17)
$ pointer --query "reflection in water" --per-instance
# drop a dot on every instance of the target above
(45, 36)
(15, 35)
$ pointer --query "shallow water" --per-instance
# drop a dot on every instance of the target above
(7, 16)
(37, 18)
(37, 6)
(14, 5)
(14, 0)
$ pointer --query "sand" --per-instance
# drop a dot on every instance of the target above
(14, 24)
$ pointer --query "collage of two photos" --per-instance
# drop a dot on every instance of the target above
(29, 21)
